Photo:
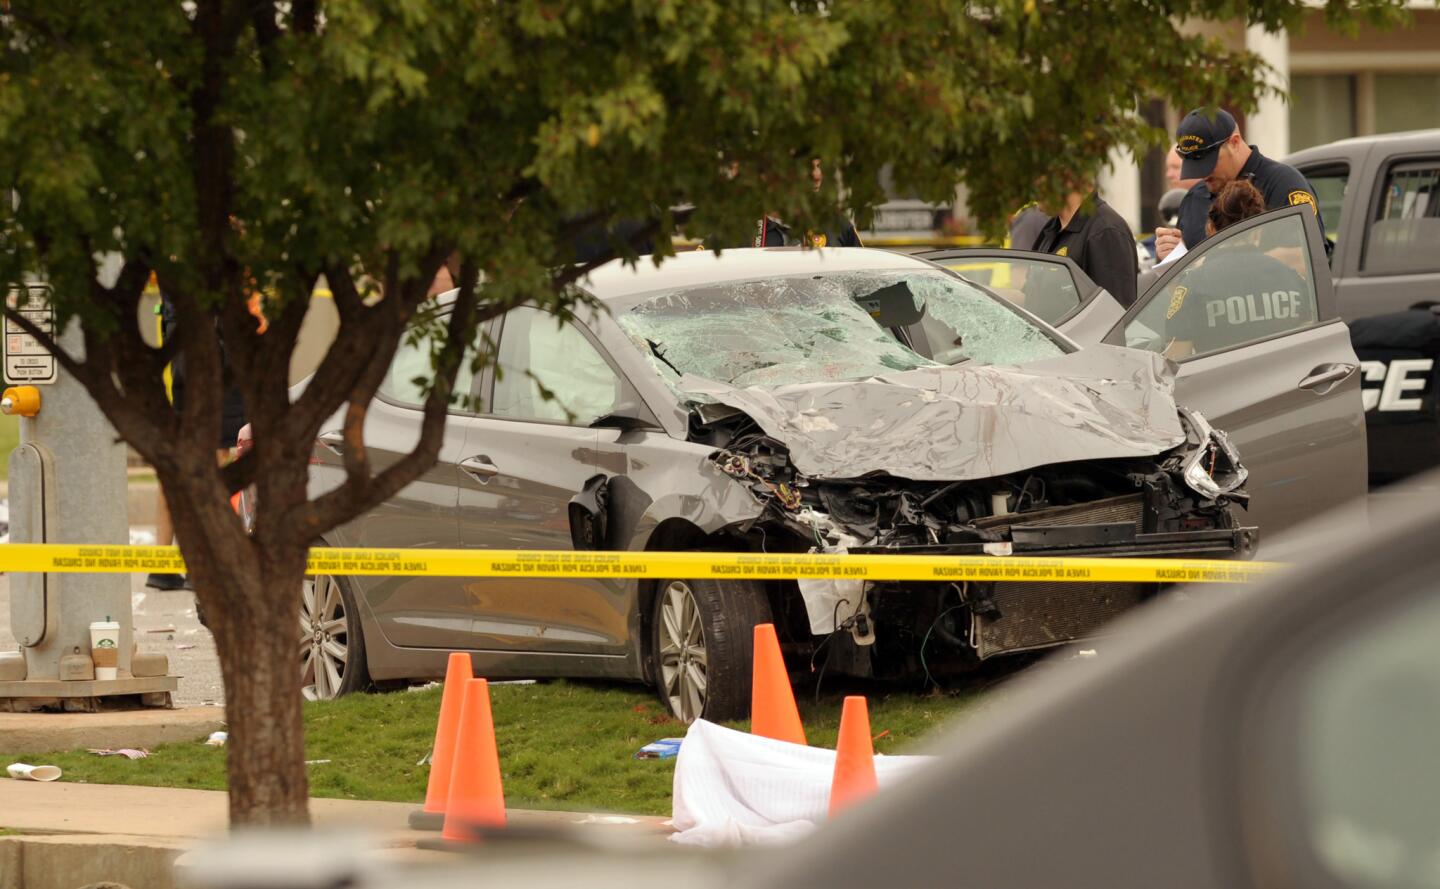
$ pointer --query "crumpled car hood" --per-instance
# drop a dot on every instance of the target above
(965, 423)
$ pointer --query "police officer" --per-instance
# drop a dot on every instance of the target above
(771, 232)
(1212, 150)
(1238, 293)
(1091, 233)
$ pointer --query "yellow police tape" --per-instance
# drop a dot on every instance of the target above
(69, 558)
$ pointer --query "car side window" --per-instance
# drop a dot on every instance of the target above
(1247, 286)
(411, 371)
(1405, 226)
(1046, 289)
(1330, 182)
(1366, 742)
(541, 356)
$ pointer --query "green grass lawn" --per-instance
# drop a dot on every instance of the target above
(563, 745)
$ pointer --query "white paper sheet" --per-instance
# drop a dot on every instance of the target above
(737, 789)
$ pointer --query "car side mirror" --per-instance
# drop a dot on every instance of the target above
(625, 416)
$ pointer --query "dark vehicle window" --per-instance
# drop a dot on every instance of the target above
(1368, 736)
(541, 356)
(1405, 228)
(1330, 183)
(827, 327)
(1046, 289)
(1247, 286)
(411, 370)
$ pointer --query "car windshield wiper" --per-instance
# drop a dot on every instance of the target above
(655, 350)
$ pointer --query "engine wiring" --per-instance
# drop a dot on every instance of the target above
(738, 466)
(840, 626)
(930, 680)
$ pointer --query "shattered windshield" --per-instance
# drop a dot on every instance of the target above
(815, 328)
(961, 322)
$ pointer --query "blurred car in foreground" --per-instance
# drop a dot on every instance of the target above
(1273, 736)
(1282, 735)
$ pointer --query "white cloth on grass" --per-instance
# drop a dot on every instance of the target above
(733, 788)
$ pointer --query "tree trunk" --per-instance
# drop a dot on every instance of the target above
(256, 631)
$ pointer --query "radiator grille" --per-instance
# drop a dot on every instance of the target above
(1129, 508)
(1042, 614)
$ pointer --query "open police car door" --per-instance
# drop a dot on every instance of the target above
(1053, 288)
(1250, 317)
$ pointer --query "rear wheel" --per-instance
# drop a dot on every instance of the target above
(332, 648)
(703, 646)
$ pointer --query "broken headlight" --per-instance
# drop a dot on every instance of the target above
(1212, 468)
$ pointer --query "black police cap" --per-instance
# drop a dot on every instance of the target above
(1198, 140)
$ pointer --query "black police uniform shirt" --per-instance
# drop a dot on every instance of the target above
(1100, 243)
(1281, 184)
(771, 232)
(1238, 295)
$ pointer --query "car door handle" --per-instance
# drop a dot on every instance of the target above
(479, 468)
(1326, 375)
(334, 442)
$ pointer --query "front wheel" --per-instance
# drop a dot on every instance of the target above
(332, 648)
(703, 645)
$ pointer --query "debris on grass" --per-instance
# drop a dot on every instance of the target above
(127, 752)
(665, 748)
(217, 739)
(606, 819)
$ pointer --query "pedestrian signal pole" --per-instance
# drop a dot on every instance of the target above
(67, 485)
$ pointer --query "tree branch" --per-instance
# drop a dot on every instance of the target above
(239, 474)
(359, 492)
(304, 15)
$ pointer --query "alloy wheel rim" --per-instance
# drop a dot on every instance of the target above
(684, 668)
(324, 639)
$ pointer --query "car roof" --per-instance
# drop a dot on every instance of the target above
(616, 280)
(1410, 139)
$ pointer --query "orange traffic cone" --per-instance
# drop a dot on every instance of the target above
(442, 756)
(773, 713)
(854, 757)
(476, 798)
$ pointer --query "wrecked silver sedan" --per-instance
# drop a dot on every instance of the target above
(758, 401)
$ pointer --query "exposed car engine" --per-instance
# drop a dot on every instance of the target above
(1176, 503)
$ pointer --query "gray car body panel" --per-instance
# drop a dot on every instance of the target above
(964, 423)
(1078, 392)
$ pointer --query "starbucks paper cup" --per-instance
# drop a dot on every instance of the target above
(105, 648)
(22, 772)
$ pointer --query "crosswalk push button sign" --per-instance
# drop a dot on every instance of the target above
(26, 360)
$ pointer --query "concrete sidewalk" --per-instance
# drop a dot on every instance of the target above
(77, 834)
(47, 732)
(173, 813)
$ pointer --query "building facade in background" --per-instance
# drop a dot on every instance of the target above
(1338, 86)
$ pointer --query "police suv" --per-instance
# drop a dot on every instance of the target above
(1381, 197)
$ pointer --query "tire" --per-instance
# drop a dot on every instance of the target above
(330, 637)
(706, 671)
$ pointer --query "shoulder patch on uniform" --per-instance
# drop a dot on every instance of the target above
(1177, 299)
(1300, 196)
(1063, 251)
